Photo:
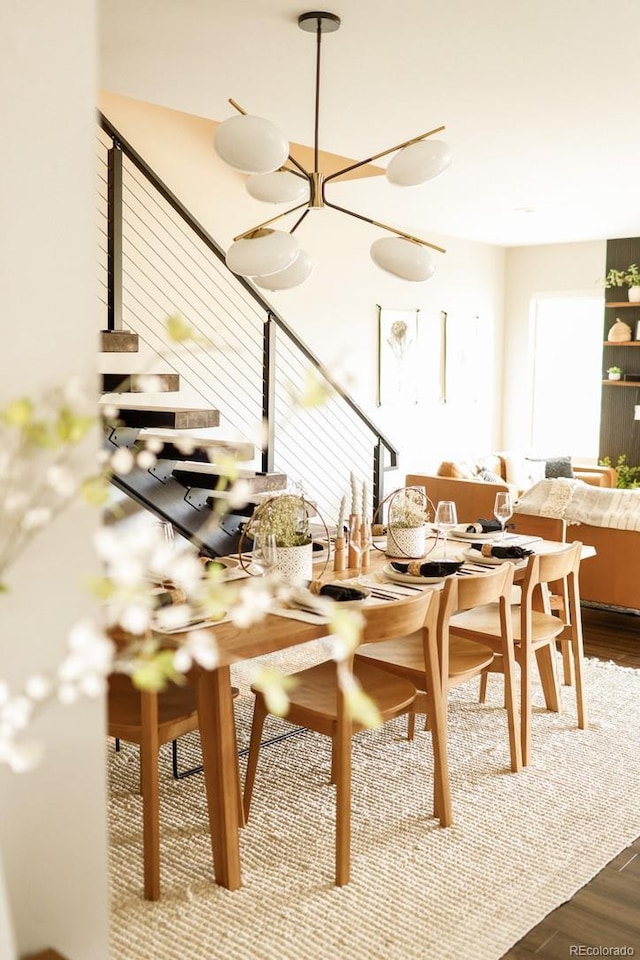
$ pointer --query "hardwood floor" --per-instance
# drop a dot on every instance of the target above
(606, 912)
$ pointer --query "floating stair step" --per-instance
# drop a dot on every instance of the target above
(205, 477)
(118, 341)
(168, 417)
(140, 382)
(200, 449)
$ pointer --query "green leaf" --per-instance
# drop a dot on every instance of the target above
(18, 413)
(178, 329)
(155, 673)
(95, 491)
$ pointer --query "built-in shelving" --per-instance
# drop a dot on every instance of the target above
(625, 303)
(621, 383)
(624, 343)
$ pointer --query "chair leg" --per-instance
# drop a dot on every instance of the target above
(341, 749)
(525, 706)
(567, 662)
(513, 719)
(411, 725)
(545, 657)
(484, 677)
(259, 716)
(149, 748)
(578, 661)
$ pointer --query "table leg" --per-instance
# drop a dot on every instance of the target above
(221, 773)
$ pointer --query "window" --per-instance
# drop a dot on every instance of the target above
(567, 372)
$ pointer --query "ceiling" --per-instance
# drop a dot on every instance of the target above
(538, 99)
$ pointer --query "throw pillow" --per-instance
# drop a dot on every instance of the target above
(555, 467)
(489, 477)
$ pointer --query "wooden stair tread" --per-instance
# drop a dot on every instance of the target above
(119, 341)
(187, 418)
(204, 445)
(140, 382)
(205, 476)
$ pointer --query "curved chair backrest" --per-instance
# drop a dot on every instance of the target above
(463, 593)
(549, 528)
(399, 618)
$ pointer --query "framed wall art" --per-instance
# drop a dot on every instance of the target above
(397, 356)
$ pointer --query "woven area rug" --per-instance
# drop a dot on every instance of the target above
(521, 843)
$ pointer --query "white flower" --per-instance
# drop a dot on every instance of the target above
(37, 687)
(16, 713)
(154, 445)
(255, 602)
(175, 616)
(122, 461)
(135, 617)
(15, 503)
(61, 481)
(21, 757)
(146, 459)
(67, 693)
(200, 647)
(92, 685)
(36, 518)
(185, 570)
(239, 494)
(76, 393)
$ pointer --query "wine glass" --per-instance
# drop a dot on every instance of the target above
(265, 553)
(502, 510)
(445, 520)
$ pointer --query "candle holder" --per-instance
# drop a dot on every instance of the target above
(354, 541)
(340, 554)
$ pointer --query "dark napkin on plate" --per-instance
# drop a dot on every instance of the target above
(502, 553)
(483, 526)
(432, 568)
(337, 592)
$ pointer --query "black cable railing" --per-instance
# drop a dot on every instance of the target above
(155, 260)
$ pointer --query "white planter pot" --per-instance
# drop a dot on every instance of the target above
(634, 294)
(406, 542)
(614, 376)
(295, 564)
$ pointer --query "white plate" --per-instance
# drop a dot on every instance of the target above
(477, 557)
(465, 535)
(398, 577)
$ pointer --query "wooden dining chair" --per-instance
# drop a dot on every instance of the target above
(549, 528)
(460, 659)
(317, 701)
(535, 630)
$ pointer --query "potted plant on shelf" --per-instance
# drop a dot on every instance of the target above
(625, 278)
(614, 373)
(286, 517)
(407, 523)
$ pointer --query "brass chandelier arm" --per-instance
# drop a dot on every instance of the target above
(383, 153)
(260, 226)
(299, 221)
(384, 226)
(305, 173)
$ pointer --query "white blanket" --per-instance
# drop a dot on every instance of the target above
(579, 502)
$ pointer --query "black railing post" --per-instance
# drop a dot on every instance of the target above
(378, 471)
(268, 393)
(114, 237)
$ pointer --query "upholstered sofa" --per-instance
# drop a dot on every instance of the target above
(612, 577)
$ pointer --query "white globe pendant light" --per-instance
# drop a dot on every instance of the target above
(418, 163)
(402, 258)
(281, 186)
(299, 271)
(251, 144)
(268, 251)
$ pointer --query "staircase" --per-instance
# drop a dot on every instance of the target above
(227, 393)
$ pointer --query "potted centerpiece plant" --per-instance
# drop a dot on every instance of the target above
(614, 373)
(625, 278)
(407, 522)
(285, 516)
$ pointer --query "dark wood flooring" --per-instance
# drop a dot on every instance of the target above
(606, 912)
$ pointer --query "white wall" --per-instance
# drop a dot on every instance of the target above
(572, 267)
(53, 820)
(335, 312)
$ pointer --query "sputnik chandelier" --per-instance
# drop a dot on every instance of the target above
(273, 258)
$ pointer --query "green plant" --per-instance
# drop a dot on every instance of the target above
(614, 370)
(620, 278)
(628, 478)
(286, 516)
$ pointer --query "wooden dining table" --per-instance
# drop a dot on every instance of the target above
(215, 705)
